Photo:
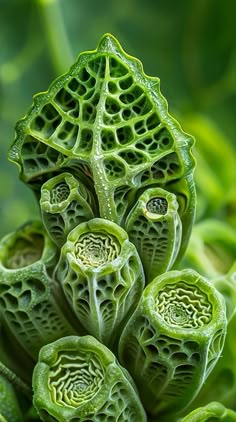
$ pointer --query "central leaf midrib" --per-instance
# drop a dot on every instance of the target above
(102, 187)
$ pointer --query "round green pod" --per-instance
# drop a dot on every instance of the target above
(155, 228)
(102, 277)
(78, 378)
(174, 339)
(64, 203)
(29, 299)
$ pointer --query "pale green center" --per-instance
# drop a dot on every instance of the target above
(96, 249)
(184, 305)
(75, 379)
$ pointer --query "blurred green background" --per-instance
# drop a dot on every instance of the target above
(189, 44)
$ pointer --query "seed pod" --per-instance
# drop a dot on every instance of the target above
(154, 226)
(102, 277)
(64, 203)
(78, 378)
(29, 300)
(174, 339)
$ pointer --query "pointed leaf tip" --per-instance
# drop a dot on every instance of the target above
(109, 43)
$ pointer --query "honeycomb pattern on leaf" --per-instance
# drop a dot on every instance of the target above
(106, 112)
(38, 159)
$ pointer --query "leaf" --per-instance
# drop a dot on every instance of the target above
(108, 121)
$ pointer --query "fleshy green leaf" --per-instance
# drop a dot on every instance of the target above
(78, 378)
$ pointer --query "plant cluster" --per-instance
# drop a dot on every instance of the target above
(98, 320)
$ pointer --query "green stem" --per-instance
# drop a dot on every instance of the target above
(15, 380)
(56, 34)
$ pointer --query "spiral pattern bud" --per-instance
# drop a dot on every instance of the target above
(78, 378)
(184, 305)
(59, 193)
(96, 249)
(74, 380)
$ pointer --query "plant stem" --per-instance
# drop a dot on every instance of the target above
(61, 54)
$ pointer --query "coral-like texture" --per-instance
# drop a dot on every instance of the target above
(107, 122)
(102, 277)
(173, 340)
(29, 300)
(78, 378)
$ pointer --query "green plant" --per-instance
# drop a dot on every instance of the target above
(112, 172)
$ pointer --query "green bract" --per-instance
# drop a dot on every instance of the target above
(29, 299)
(78, 378)
(173, 340)
(107, 122)
(102, 277)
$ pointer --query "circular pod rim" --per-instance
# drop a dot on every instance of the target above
(72, 367)
(112, 234)
(209, 314)
(47, 251)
